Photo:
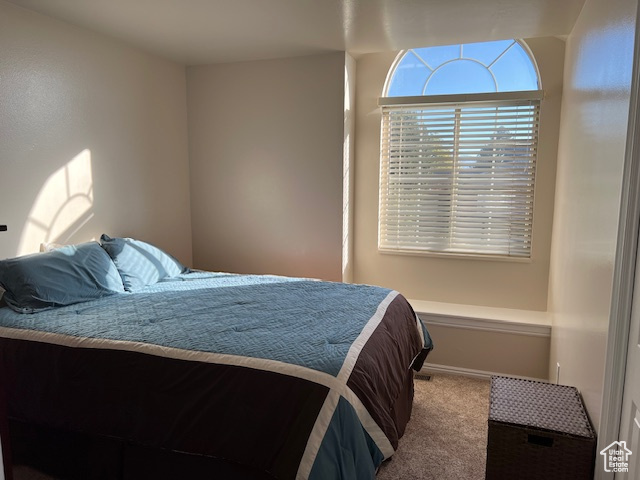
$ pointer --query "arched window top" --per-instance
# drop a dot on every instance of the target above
(499, 66)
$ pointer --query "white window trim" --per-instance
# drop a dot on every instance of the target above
(525, 96)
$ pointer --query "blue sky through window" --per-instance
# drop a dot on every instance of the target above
(499, 66)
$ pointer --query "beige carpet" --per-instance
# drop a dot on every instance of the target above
(445, 439)
(447, 435)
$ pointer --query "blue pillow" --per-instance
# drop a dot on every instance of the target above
(68, 275)
(140, 263)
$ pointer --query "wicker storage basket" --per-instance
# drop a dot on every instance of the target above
(538, 431)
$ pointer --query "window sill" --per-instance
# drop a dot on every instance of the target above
(501, 320)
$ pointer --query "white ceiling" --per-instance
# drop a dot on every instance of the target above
(196, 32)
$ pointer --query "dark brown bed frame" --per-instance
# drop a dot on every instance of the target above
(46, 444)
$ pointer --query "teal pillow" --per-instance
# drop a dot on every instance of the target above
(68, 275)
(140, 263)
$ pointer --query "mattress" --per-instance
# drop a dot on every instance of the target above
(292, 377)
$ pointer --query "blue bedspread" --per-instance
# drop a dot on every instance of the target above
(313, 326)
(307, 330)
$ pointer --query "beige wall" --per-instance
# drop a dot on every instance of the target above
(455, 280)
(592, 146)
(93, 139)
(266, 151)
(489, 352)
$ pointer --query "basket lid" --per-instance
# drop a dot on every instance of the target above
(542, 405)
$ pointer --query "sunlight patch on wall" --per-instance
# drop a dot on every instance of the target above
(63, 206)
(347, 159)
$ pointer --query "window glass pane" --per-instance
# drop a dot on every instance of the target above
(485, 52)
(511, 67)
(461, 76)
(436, 56)
(514, 71)
(409, 77)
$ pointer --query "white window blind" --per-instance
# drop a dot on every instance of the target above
(458, 177)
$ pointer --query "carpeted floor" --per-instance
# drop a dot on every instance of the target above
(447, 435)
(446, 438)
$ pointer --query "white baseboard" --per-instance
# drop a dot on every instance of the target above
(432, 368)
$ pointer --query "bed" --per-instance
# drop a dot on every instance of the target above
(212, 375)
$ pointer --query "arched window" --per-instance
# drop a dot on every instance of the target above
(458, 150)
(502, 66)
